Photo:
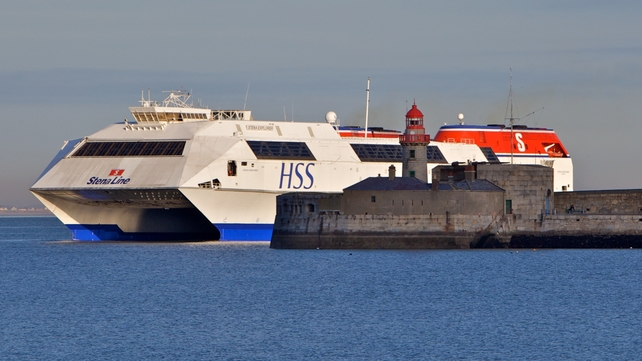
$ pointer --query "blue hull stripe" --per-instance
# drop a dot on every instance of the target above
(228, 232)
(111, 232)
(245, 232)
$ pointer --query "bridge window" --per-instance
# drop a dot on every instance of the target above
(280, 150)
(378, 152)
(434, 155)
(130, 149)
(489, 154)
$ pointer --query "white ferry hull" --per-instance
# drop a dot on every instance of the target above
(207, 179)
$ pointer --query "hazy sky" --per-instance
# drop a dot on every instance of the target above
(69, 68)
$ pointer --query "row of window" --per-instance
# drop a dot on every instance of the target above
(435, 155)
(165, 117)
(130, 149)
(378, 152)
(280, 150)
(393, 153)
(261, 149)
(489, 154)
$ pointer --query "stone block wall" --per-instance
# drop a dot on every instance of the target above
(422, 202)
(329, 223)
(593, 224)
(626, 201)
(528, 187)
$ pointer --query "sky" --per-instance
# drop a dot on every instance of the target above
(70, 68)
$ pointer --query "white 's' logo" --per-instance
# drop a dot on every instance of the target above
(520, 143)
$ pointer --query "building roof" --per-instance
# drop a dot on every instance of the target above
(470, 185)
(386, 184)
(414, 184)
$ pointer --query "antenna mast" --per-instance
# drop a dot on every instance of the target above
(367, 106)
(511, 119)
(246, 93)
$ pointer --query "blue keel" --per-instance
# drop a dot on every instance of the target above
(245, 231)
(111, 232)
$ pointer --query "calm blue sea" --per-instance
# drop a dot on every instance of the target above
(64, 300)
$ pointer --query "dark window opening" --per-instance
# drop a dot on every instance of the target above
(214, 183)
(231, 168)
(412, 173)
(373, 199)
(412, 154)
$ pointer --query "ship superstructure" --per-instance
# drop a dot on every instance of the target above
(179, 172)
(517, 144)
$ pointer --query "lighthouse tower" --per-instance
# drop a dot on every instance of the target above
(414, 142)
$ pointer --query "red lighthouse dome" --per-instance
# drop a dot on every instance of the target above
(414, 113)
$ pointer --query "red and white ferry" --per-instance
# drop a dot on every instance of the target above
(517, 144)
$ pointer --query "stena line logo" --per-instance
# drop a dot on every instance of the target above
(296, 175)
(116, 178)
(520, 143)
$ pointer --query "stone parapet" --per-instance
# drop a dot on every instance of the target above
(456, 232)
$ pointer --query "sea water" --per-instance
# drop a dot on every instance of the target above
(66, 300)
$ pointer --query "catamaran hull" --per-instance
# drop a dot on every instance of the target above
(220, 215)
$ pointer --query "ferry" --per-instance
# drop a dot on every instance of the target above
(184, 172)
(517, 144)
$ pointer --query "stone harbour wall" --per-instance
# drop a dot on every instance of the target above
(337, 231)
(600, 202)
(331, 223)
(526, 214)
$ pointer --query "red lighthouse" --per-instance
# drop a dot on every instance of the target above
(414, 142)
(415, 131)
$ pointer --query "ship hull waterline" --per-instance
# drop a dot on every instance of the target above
(176, 222)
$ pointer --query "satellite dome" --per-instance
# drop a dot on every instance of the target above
(331, 117)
